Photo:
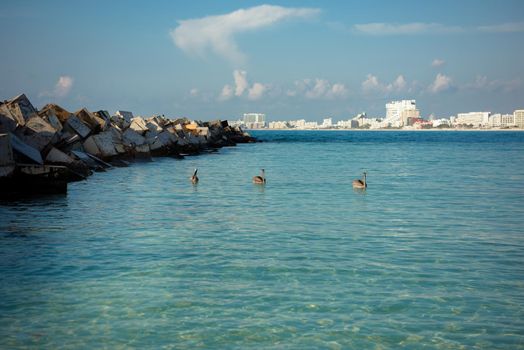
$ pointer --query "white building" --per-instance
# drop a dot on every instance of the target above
(327, 123)
(476, 119)
(254, 120)
(495, 120)
(278, 125)
(398, 112)
(518, 118)
(507, 120)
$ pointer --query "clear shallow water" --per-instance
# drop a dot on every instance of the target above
(430, 256)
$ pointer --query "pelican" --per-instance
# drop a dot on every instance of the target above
(260, 179)
(360, 183)
(194, 178)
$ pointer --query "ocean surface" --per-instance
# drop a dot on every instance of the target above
(430, 256)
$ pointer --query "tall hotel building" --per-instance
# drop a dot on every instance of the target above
(254, 120)
(399, 113)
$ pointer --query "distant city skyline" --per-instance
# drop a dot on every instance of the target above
(210, 60)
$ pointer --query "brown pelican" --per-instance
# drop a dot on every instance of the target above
(194, 178)
(260, 179)
(360, 183)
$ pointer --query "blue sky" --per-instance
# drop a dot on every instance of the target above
(288, 59)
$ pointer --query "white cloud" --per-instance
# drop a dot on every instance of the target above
(194, 92)
(372, 84)
(241, 84)
(437, 63)
(226, 94)
(337, 90)
(217, 33)
(441, 83)
(241, 87)
(405, 29)
(257, 91)
(511, 27)
(62, 87)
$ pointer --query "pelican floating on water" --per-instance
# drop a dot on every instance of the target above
(360, 183)
(260, 179)
(194, 178)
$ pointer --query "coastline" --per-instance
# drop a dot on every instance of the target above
(390, 130)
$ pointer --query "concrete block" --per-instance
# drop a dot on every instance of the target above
(153, 126)
(120, 148)
(104, 141)
(57, 156)
(95, 123)
(38, 133)
(78, 126)
(202, 131)
(7, 162)
(127, 116)
(132, 138)
(91, 147)
(163, 140)
(21, 108)
(139, 125)
(62, 114)
(8, 122)
(22, 148)
(54, 121)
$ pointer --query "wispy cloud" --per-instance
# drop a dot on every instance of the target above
(217, 33)
(417, 28)
(441, 83)
(62, 87)
(318, 89)
(437, 63)
(503, 28)
(483, 83)
(405, 29)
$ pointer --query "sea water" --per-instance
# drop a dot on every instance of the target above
(430, 256)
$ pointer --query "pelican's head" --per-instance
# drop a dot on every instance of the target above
(195, 172)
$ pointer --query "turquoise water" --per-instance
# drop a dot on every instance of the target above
(431, 256)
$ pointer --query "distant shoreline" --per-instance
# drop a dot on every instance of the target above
(403, 130)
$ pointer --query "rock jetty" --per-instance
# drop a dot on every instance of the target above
(42, 150)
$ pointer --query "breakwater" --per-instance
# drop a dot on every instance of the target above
(43, 150)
